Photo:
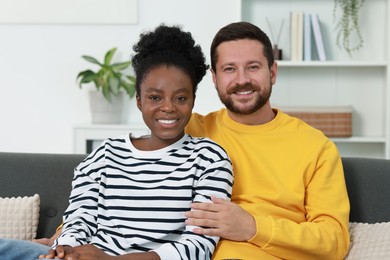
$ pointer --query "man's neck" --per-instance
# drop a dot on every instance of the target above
(261, 116)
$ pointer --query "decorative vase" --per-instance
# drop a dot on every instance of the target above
(278, 54)
(104, 111)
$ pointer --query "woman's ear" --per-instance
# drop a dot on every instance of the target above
(193, 103)
(139, 103)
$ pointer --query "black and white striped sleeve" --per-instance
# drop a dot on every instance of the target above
(216, 179)
(81, 214)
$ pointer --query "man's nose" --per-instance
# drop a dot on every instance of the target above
(242, 77)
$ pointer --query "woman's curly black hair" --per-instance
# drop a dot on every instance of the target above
(171, 46)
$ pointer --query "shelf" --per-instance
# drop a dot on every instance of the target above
(332, 64)
(359, 139)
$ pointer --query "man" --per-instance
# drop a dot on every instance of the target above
(289, 196)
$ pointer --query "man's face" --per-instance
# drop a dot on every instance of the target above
(243, 78)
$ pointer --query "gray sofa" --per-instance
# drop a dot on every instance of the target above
(50, 175)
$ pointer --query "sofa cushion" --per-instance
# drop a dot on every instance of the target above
(369, 241)
(19, 217)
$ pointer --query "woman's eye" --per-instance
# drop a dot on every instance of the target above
(181, 99)
(154, 98)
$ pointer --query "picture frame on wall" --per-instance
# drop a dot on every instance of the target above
(69, 12)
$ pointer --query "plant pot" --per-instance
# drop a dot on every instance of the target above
(104, 111)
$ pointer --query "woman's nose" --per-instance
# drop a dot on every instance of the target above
(167, 106)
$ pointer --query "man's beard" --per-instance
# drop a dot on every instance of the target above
(260, 101)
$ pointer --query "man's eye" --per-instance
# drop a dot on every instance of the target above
(228, 69)
(254, 67)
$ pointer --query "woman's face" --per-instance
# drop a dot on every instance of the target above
(166, 100)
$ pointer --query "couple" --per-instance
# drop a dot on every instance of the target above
(288, 201)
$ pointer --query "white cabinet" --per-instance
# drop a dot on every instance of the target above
(360, 80)
(89, 136)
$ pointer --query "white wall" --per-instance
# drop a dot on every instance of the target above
(39, 98)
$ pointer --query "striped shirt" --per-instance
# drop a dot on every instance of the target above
(124, 200)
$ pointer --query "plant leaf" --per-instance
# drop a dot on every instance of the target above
(131, 78)
(108, 56)
(106, 92)
(86, 77)
(97, 83)
(91, 59)
(114, 83)
(129, 87)
(121, 66)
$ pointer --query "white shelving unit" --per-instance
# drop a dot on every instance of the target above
(360, 80)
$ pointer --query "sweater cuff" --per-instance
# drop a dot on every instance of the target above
(66, 241)
(263, 231)
(167, 252)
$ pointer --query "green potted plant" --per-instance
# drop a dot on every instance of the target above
(347, 24)
(111, 81)
(110, 78)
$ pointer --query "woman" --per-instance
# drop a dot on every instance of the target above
(130, 195)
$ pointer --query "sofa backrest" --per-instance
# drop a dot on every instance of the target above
(368, 184)
(49, 175)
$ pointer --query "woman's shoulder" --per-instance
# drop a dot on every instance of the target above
(206, 146)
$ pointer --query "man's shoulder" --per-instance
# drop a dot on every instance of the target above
(297, 126)
(201, 125)
(208, 117)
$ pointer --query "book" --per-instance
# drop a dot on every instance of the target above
(300, 37)
(293, 35)
(307, 38)
(318, 37)
(296, 36)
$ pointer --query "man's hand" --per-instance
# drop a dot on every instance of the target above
(221, 218)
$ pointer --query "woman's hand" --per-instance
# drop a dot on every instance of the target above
(48, 241)
(83, 252)
(59, 252)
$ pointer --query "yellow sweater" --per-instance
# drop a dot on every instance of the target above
(289, 176)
